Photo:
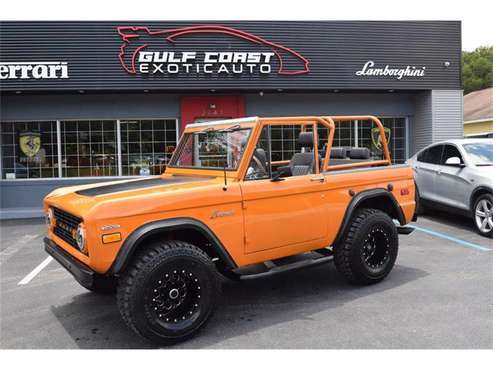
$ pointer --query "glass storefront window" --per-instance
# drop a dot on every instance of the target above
(284, 141)
(29, 150)
(395, 132)
(89, 148)
(147, 146)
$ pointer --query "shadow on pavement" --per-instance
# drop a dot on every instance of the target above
(93, 320)
(450, 219)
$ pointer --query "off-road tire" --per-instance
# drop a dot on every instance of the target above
(352, 255)
(488, 199)
(145, 292)
(103, 285)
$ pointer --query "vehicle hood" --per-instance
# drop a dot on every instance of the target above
(136, 194)
(485, 171)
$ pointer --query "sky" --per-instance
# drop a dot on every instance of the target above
(476, 16)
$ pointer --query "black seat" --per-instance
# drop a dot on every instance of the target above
(303, 163)
(260, 160)
(359, 154)
(338, 155)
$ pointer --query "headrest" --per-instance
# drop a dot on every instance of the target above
(338, 153)
(306, 139)
(359, 153)
(261, 155)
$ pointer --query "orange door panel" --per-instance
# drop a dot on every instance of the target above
(279, 214)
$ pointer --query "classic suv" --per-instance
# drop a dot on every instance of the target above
(226, 205)
(458, 174)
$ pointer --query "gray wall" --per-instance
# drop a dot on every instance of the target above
(114, 106)
(439, 116)
(89, 106)
(421, 129)
(448, 120)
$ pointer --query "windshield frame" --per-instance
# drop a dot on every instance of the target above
(210, 129)
(469, 156)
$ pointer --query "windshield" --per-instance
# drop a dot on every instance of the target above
(211, 149)
(480, 154)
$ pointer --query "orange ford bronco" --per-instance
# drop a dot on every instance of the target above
(238, 201)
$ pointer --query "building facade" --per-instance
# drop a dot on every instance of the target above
(94, 101)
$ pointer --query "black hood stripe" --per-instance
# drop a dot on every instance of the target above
(139, 184)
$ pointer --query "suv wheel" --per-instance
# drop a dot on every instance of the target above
(169, 292)
(368, 251)
(483, 215)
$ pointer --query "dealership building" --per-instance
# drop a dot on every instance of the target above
(86, 102)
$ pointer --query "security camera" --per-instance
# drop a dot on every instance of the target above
(446, 64)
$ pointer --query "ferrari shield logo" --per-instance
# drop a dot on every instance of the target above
(30, 143)
(376, 139)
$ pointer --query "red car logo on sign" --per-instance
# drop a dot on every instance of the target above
(134, 41)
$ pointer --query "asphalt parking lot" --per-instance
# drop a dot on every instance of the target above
(439, 295)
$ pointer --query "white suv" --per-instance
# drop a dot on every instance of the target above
(458, 174)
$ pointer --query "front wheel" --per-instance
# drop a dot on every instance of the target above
(483, 215)
(169, 292)
(369, 247)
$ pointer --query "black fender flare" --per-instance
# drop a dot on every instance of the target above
(481, 188)
(363, 196)
(132, 242)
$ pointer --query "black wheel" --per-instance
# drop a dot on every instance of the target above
(483, 215)
(169, 292)
(103, 285)
(368, 250)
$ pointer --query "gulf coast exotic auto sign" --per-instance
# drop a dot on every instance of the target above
(175, 53)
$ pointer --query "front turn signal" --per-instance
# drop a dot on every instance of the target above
(112, 238)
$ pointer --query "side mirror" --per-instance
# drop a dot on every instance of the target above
(281, 171)
(454, 161)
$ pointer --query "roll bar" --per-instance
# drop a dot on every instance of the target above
(329, 122)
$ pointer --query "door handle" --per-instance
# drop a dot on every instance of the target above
(318, 178)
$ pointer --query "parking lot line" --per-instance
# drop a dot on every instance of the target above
(36, 271)
(458, 241)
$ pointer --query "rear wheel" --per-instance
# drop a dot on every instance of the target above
(368, 250)
(483, 215)
(169, 292)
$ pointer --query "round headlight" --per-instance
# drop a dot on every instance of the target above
(80, 237)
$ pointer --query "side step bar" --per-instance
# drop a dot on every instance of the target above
(405, 230)
(274, 269)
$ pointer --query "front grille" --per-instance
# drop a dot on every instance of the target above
(66, 226)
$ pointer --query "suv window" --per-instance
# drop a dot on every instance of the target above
(450, 151)
(434, 154)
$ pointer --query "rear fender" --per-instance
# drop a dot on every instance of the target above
(378, 198)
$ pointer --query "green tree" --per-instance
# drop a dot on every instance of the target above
(477, 69)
